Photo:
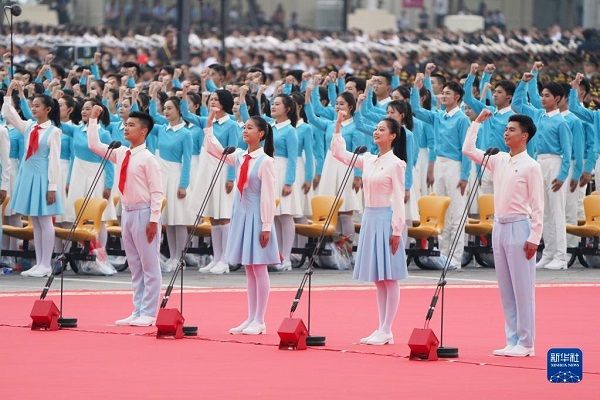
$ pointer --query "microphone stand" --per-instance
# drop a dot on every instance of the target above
(191, 330)
(452, 352)
(310, 339)
(15, 10)
(61, 259)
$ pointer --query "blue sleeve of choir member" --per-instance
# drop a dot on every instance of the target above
(364, 125)
(577, 149)
(232, 140)
(331, 93)
(408, 174)
(564, 137)
(113, 117)
(318, 109)
(158, 118)
(287, 88)
(24, 105)
(244, 112)
(210, 86)
(134, 107)
(472, 102)
(204, 111)
(309, 162)
(580, 111)
(303, 86)
(189, 117)
(130, 82)
(95, 72)
(519, 103)
(423, 114)
(427, 84)
(109, 168)
(317, 122)
(48, 74)
(71, 161)
(357, 140)
(68, 129)
(395, 81)
(341, 85)
(186, 162)
(176, 83)
(319, 150)
(532, 90)
(463, 127)
(291, 143)
(591, 155)
(82, 81)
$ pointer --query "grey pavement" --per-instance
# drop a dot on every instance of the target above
(321, 277)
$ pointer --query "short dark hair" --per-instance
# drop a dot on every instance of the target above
(360, 83)
(386, 76)
(586, 86)
(145, 119)
(555, 89)
(440, 77)
(221, 70)
(456, 88)
(508, 86)
(526, 124)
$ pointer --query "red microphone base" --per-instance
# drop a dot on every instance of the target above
(423, 345)
(44, 316)
(169, 323)
(292, 334)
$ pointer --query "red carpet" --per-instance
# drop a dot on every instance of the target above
(98, 360)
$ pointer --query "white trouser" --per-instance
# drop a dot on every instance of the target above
(423, 165)
(555, 231)
(447, 177)
(573, 206)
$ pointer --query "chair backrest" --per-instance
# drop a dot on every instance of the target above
(591, 207)
(321, 205)
(432, 211)
(486, 207)
(116, 199)
(93, 212)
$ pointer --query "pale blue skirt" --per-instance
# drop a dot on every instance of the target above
(374, 259)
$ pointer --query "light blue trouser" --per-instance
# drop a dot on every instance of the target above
(143, 259)
(516, 278)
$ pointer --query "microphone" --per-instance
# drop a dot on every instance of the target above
(228, 149)
(360, 150)
(491, 151)
(115, 144)
(15, 9)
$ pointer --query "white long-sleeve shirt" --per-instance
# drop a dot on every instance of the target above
(383, 180)
(266, 173)
(143, 184)
(12, 117)
(518, 183)
(5, 158)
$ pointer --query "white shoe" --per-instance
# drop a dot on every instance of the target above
(40, 272)
(143, 320)
(126, 321)
(206, 269)
(502, 352)
(239, 329)
(221, 268)
(543, 262)
(520, 351)
(366, 339)
(255, 329)
(284, 266)
(29, 271)
(169, 266)
(380, 338)
(556, 264)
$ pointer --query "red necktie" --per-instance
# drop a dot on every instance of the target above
(243, 174)
(33, 141)
(123, 173)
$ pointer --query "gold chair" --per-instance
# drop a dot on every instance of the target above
(24, 233)
(485, 223)
(432, 216)
(321, 205)
(589, 233)
(85, 231)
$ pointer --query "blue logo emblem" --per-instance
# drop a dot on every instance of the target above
(565, 365)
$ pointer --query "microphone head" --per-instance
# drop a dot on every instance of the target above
(360, 149)
(116, 144)
(228, 149)
(494, 150)
(15, 10)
